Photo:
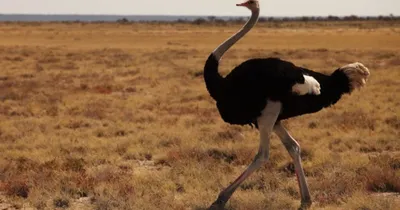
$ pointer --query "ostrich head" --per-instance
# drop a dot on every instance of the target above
(357, 73)
(250, 4)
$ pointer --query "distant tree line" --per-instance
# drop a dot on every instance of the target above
(223, 21)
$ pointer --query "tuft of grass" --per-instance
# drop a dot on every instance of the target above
(383, 181)
(74, 164)
(61, 203)
(383, 174)
(16, 187)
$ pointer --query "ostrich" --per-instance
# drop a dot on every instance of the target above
(263, 91)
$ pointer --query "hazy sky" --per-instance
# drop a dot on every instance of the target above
(202, 7)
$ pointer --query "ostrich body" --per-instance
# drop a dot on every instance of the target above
(264, 91)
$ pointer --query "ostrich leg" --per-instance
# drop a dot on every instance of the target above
(294, 150)
(266, 124)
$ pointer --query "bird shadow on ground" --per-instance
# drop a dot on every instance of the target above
(199, 208)
(206, 208)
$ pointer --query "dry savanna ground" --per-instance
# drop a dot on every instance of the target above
(116, 116)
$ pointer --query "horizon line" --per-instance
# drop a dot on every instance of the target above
(166, 15)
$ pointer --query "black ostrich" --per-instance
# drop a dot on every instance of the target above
(264, 91)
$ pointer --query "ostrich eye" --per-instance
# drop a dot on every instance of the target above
(251, 2)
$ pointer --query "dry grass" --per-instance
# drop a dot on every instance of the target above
(108, 116)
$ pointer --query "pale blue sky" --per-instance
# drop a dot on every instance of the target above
(202, 7)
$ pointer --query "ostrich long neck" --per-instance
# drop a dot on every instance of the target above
(220, 50)
(214, 81)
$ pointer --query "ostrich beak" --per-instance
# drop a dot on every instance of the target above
(242, 4)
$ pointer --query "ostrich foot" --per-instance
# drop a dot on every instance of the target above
(357, 73)
(310, 86)
(305, 205)
(217, 205)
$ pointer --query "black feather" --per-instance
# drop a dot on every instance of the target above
(332, 88)
(243, 93)
(212, 78)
